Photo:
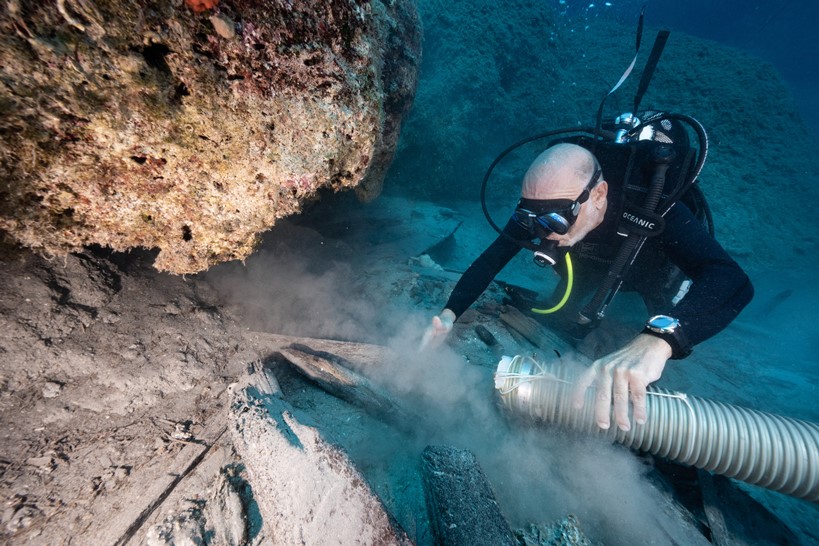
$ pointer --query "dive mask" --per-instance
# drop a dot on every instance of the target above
(544, 216)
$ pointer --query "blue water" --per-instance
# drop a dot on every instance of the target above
(782, 32)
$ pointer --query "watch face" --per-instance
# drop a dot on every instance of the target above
(663, 323)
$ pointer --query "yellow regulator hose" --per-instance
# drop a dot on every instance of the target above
(565, 298)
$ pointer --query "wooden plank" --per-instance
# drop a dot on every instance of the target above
(460, 502)
(148, 487)
(207, 472)
(358, 356)
(333, 374)
(192, 486)
(533, 331)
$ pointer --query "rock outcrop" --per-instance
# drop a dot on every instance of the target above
(193, 126)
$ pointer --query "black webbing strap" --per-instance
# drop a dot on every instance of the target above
(599, 118)
(593, 312)
(651, 65)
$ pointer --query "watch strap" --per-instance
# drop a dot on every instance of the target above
(680, 346)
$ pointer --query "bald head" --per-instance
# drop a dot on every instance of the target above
(560, 172)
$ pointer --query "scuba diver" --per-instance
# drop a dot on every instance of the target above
(566, 200)
(621, 199)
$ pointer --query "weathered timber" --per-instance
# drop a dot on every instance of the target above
(308, 491)
(224, 519)
(195, 468)
(460, 502)
(533, 331)
(357, 356)
(261, 378)
(333, 374)
(485, 335)
(148, 487)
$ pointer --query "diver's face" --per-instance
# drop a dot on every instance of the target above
(549, 180)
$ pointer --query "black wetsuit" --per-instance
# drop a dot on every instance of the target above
(720, 288)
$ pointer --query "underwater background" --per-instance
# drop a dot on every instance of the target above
(778, 31)
(495, 73)
(347, 271)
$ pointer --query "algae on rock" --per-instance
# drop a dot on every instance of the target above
(151, 124)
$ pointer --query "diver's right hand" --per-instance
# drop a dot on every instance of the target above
(437, 331)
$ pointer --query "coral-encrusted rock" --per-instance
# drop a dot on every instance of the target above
(193, 126)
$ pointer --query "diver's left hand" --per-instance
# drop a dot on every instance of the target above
(623, 374)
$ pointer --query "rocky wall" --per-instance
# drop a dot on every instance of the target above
(191, 127)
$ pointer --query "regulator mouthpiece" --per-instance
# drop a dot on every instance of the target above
(547, 253)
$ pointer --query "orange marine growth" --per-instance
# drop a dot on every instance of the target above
(198, 6)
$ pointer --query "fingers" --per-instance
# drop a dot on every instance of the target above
(621, 388)
(581, 386)
(602, 401)
(435, 334)
(638, 399)
(432, 338)
(438, 325)
(600, 375)
(616, 386)
(428, 341)
(623, 377)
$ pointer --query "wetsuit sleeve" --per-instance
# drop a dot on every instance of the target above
(478, 276)
(720, 288)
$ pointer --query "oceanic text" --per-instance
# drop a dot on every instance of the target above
(636, 220)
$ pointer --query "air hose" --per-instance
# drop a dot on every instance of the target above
(778, 453)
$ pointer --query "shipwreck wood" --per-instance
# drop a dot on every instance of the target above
(533, 331)
(460, 502)
(333, 374)
(225, 515)
(148, 488)
(308, 491)
(357, 356)
(485, 335)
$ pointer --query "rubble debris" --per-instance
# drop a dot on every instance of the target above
(566, 532)
(485, 335)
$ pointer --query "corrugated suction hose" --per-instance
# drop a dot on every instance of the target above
(767, 450)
